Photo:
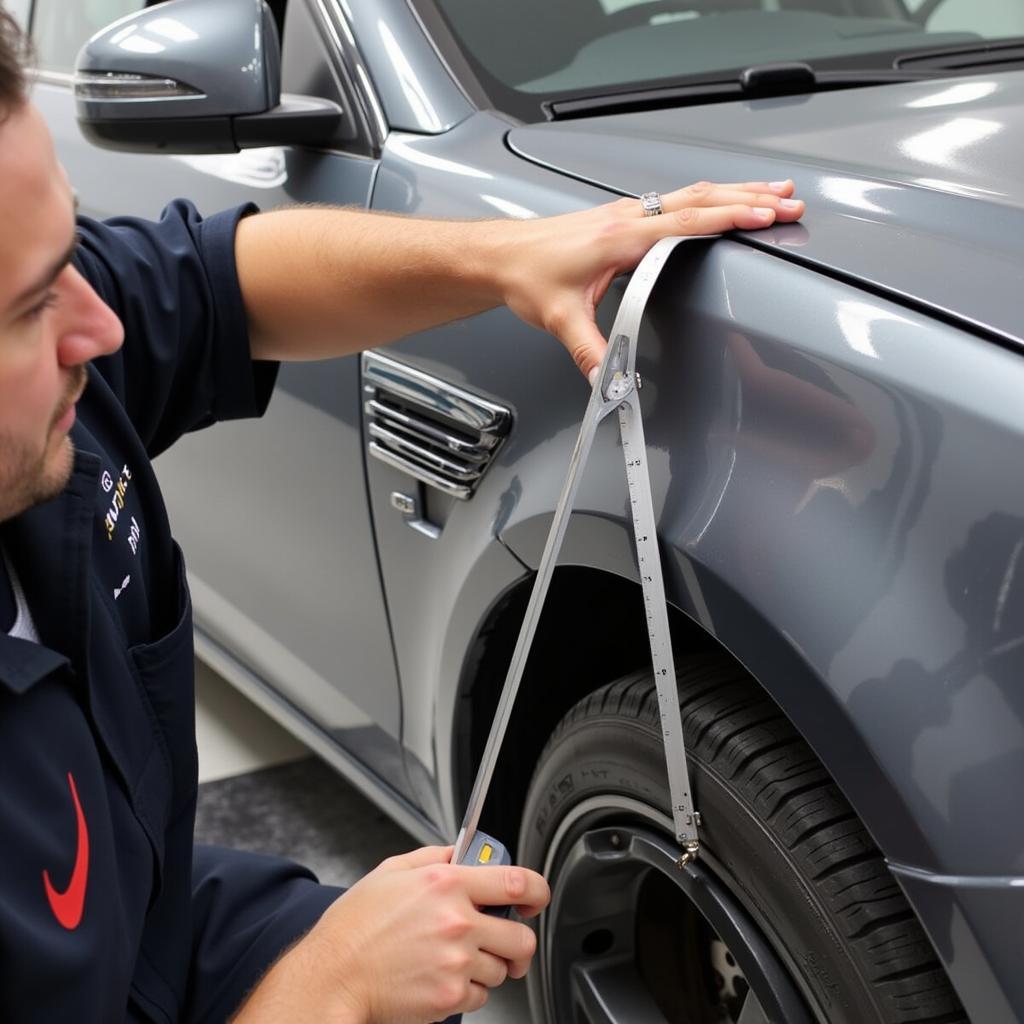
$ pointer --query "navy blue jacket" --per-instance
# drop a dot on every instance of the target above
(106, 912)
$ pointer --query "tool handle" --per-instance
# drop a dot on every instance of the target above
(487, 852)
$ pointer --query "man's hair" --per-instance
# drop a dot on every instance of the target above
(14, 52)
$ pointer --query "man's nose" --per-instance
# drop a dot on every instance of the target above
(86, 326)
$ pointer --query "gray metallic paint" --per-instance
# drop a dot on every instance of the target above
(837, 472)
(793, 460)
(879, 343)
(876, 499)
(974, 924)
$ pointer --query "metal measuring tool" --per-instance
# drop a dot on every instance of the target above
(616, 389)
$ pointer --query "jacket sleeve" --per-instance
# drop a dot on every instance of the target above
(247, 909)
(185, 361)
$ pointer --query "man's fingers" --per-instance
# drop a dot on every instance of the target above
(705, 194)
(505, 886)
(477, 998)
(774, 196)
(725, 196)
(713, 220)
(512, 942)
(717, 193)
(581, 336)
(776, 188)
(420, 858)
(488, 969)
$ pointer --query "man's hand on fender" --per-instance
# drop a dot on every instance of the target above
(557, 269)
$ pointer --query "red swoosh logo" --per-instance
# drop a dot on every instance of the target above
(67, 905)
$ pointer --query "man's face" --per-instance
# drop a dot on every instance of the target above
(51, 322)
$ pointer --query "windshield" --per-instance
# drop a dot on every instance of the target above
(525, 52)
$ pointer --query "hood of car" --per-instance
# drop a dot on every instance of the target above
(913, 189)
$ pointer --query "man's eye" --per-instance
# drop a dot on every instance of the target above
(48, 301)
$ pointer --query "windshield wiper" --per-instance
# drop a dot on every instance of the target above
(1006, 52)
(755, 82)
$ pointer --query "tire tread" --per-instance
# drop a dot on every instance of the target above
(736, 732)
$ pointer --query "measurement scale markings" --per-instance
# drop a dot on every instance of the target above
(616, 389)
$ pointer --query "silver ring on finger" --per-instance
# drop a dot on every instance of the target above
(650, 203)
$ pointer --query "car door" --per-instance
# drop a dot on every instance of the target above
(272, 515)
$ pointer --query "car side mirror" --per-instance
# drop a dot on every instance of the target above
(194, 76)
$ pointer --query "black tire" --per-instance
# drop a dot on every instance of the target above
(781, 848)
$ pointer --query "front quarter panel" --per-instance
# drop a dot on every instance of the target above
(837, 483)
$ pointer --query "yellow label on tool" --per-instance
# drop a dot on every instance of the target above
(485, 853)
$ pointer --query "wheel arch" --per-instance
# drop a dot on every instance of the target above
(587, 601)
(562, 669)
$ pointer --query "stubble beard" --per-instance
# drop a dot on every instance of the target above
(29, 477)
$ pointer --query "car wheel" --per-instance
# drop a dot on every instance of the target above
(789, 914)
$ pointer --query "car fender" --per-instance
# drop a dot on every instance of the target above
(823, 515)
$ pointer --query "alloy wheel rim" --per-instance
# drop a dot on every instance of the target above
(630, 938)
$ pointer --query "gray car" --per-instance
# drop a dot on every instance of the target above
(835, 425)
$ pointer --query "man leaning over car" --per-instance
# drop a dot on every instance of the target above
(107, 912)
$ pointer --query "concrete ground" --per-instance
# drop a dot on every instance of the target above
(260, 789)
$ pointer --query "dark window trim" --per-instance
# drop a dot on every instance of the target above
(346, 59)
(357, 100)
(449, 53)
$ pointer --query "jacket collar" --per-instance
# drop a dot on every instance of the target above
(50, 547)
(23, 663)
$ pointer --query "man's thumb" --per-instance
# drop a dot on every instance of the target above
(586, 345)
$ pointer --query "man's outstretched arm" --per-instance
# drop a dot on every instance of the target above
(325, 282)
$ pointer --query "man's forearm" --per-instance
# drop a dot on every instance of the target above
(321, 282)
(297, 987)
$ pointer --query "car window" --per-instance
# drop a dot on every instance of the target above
(538, 50)
(990, 18)
(59, 28)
